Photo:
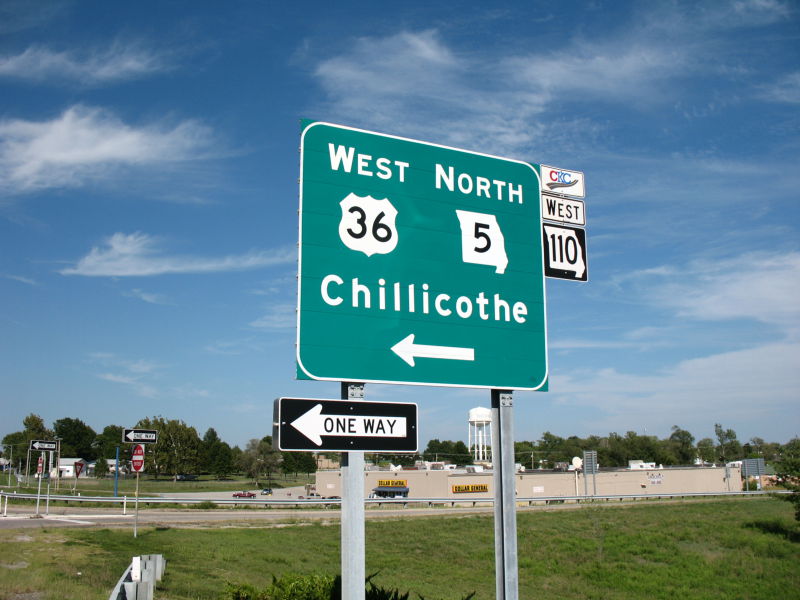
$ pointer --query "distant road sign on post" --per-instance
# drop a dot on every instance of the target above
(345, 426)
(137, 458)
(419, 264)
(140, 436)
(43, 445)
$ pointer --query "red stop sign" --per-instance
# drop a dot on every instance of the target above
(137, 460)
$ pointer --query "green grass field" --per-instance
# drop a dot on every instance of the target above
(744, 548)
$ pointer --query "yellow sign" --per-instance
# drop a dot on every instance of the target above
(470, 488)
(392, 482)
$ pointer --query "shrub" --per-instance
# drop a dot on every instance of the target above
(312, 587)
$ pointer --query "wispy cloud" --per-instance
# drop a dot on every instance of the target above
(148, 297)
(25, 280)
(139, 255)
(135, 374)
(761, 286)
(692, 393)
(512, 100)
(785, 90)
(234, 347)
(278, 316)
(86, 144)
(89, 67)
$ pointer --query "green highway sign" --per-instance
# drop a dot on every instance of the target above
(418, 264)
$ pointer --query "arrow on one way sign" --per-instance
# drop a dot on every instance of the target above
(408, 351)
(143, 436)
(314, 425)
(43, 445)
(304, 424)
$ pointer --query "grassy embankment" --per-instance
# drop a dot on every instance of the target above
(745, 548)
(149, 486)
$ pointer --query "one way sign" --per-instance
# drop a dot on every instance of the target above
(140, 436)
(345, 425)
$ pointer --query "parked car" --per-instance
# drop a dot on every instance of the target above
(244, 495)
(185, 477)
(266, 492)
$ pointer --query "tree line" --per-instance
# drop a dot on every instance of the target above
(615, 450)
(179, 449)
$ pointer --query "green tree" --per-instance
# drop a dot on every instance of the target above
(681, 443)
(259, 458)
(35, 428)
(177, 450)
(101, 468)
(106, 442)
(788, 474)
(77, 438)
(707, 450)
(728, 447)
(221, 460)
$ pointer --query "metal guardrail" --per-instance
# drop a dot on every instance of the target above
(332, 502)
(138, 582)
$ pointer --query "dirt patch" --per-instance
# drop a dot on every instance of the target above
(23, 538)
(17, 565)
(27, 596)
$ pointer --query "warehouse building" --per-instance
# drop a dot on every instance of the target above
(461, 484)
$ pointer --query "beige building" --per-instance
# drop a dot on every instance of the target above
(532, 484)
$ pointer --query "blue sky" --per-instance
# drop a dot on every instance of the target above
(148, 200)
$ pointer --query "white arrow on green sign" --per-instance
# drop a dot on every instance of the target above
(419, 264)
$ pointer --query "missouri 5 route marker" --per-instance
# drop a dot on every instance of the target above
(419, 264)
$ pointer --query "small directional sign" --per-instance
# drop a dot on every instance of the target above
(43, 445)
(563, 210)
(345, 425)
(565, 253)
(140, 436)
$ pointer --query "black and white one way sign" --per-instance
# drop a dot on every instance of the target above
(343, 425)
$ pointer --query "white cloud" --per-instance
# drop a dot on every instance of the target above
(751, 388)
(234, 347)
(513, 101)
(25, 280)
(785, 90)
(410, 81)
(131, 373)
(85, 144)
(87, 67)
(278, 316)
(760, 286)
(138, 255)
(148, 297)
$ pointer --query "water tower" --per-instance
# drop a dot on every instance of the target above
(480, 433)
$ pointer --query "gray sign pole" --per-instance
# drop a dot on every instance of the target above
(352, 542)
(505, 504)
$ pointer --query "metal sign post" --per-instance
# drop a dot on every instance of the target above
(39, 489)
(505, 513)
(137, 463)
(352, 536)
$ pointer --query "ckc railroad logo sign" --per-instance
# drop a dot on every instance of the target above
(418, 264)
